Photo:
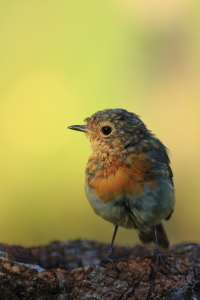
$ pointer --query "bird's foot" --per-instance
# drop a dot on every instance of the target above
(164, 259)
(158, 259)
(110, 260)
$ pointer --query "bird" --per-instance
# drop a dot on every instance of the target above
(128, 178)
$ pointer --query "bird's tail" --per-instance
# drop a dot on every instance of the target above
(148, 237)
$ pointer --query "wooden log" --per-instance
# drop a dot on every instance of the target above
(71, 270)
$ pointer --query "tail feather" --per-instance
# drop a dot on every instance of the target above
(148, 237)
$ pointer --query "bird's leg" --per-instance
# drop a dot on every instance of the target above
(108, 256)
(158, 256)
(112, 242)
(158, 259)
(157, 251)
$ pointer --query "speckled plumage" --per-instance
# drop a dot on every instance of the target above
(128, 175)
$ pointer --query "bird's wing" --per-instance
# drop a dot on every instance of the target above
(160, 167)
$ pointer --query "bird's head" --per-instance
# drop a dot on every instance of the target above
(113, 130)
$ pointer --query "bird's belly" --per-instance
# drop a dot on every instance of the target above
(112, 211)
(140, 211)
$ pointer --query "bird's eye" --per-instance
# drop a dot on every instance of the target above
(106, 130)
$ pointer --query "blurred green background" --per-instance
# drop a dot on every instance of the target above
(63, 60)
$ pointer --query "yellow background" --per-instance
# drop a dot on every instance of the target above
(63, 60)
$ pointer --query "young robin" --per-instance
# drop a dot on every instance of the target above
(128, 176)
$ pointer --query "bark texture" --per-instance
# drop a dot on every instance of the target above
(71, 270)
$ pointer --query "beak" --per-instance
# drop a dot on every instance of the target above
(79, 128)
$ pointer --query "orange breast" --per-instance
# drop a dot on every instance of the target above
(126, 178)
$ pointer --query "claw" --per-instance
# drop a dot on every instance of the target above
(110, 260)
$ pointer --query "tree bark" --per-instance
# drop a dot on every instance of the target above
(72, 270)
